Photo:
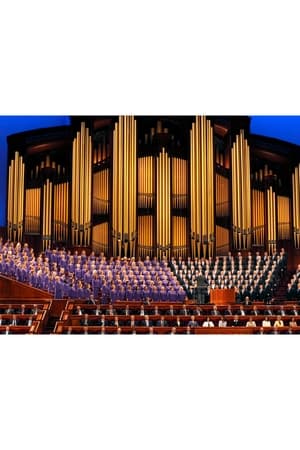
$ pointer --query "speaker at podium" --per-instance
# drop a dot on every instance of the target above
(201, 291)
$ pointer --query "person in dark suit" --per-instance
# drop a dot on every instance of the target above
(85, 320)
(193, 323)
(110, 311)
(254, 311)
(9, 310)
(228, 311)
(269, 312)
(23, 310)
(77, 311)
(197, 311)
(241, 311)
(146, 322)
(294, 311)
(247, 301)
(170, 311)
(14, 320)
(35, 310)
(236, 322)
(97, 311)
(184, 311)
(102, 321)
(281, 311)
(162, 322)
(215, 311)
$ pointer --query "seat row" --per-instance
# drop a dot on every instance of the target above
(22, 318)
(61, 328)
(169, 309)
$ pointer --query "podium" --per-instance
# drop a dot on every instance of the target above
(222, 296)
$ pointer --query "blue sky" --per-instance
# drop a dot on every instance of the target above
(281, 127)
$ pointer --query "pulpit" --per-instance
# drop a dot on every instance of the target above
(222, 296)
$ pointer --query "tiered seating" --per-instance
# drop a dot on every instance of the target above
(162, 318)
(22, 318)
(255, 276)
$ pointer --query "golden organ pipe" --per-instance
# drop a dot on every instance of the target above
(14, 203)
(63, 209)
(296, 188)
(294, 210)
(9, 205)
(198, 169)
(192, 190)
(234, 215)
(73, 192)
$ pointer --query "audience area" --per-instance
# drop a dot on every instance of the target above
(22, 318)
(160, 318)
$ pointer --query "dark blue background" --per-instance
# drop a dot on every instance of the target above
(282, 127)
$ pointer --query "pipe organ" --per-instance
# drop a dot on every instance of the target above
(284, 224)
(163, 205)
(179, 244)
(258, 216)
(222, 241)
(33, 211)
(272, 223)
(124, 187)
(202, 188)
(179, 196)
(222, 196)
(100, 192)
(15, 198)
(61, 212)
(241, 194)
(100, 242)
(179, 183)
(81, 188)
(296, 205)
(145, 236)
(47, 216)
(153, 186)
(146, 182)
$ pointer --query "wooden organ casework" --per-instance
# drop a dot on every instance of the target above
(296, 205)
(272, 194)
(157, 186)
(38, 207)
